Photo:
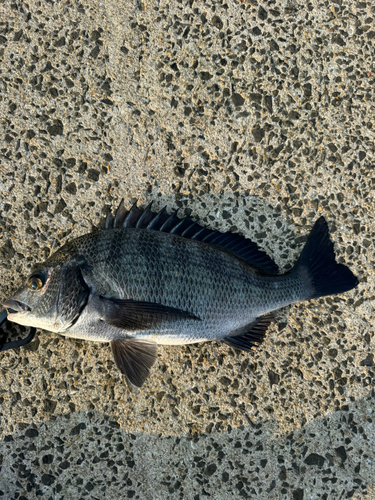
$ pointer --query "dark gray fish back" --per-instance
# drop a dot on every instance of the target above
(236, 244)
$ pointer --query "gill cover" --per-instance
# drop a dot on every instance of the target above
(73, 295)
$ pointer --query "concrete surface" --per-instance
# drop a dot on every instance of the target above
(252, 116)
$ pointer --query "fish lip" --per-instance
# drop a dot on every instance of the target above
(16, 307)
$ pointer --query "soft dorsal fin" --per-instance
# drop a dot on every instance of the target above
(236, 244)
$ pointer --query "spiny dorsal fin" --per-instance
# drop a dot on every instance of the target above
(236, 244)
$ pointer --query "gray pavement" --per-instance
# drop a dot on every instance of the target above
(256, 117)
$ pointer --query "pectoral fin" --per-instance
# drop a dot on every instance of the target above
(133, 315)
(134, 358)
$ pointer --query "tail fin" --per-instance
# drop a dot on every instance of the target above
(317, 260)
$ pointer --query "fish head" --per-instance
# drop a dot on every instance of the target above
(51, 298)
(35, 302)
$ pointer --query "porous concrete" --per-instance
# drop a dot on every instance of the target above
(255, 117)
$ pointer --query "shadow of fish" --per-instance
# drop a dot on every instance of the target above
(151, 278)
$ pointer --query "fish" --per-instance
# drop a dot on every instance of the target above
(147, 278)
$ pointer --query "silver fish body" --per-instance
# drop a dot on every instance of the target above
(148, 279)
(220, 292)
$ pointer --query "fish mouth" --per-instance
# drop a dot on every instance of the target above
(16, 307)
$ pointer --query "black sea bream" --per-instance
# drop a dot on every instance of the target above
(151, 278)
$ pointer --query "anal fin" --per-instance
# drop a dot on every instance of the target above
(134, 358)
(249, 336)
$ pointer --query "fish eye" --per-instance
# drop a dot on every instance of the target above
(36, 282)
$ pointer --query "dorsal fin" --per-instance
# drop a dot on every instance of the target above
(236, 244)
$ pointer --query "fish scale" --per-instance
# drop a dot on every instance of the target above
(151, 278)
(206, 286)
